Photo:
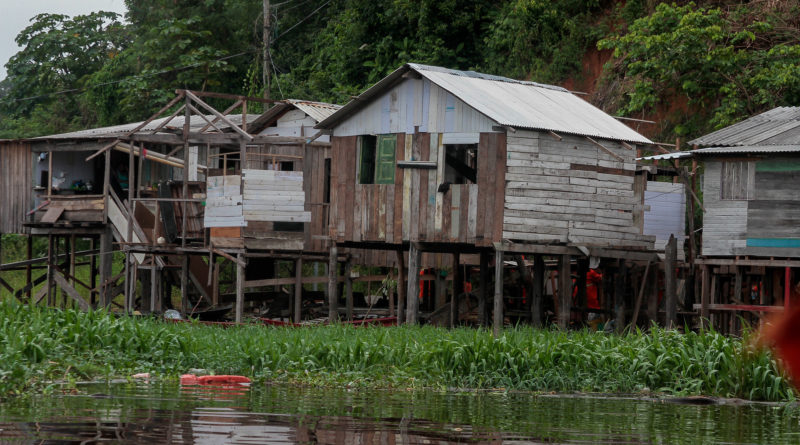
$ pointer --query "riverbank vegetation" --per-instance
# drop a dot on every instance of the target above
(41, 346)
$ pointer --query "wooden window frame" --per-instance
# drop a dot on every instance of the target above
(737, 181)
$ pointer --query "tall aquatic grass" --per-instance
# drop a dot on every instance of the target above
(44, 345)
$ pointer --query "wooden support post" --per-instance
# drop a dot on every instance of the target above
(28, 269)
(185, 189)
(640, 297)
(333, 277)
(50, 269)
(185, 283)
(440, 288)
(298, 290)
(619, 295)
(72, 241)
(458, 284)
(240, 277)
(497, 311)
(583, 269)
(93, 275)
(564, 291)
(484, 295)
(401, 286)
(787, 287)
(155, 300)
(537, 291)
(348, 289)
(670, 296)
(705, 296)
(106, 260)
(412, 305)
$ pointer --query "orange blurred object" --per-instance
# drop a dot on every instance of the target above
(783, 333)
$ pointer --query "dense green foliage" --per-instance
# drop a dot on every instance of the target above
(39, 346)
(692, 67)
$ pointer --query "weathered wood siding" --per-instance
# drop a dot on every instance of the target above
(412, 209)
(570, 191)
(764, 220)
(16, 185)
(415, 103)
(666, 213)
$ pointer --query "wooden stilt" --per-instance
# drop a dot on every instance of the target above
(72, 250)
(412, 305)
(670, 295)
(240, 277)
(484, 295)
(582, 270)
(155, 296)
(497, 310)
(298, 290)
(348, 289)
(564, 291)
(619, 295)
(50, 269)
(185, 283)
(401, 286)
(458, 284)
(440, 288)
(29, 269)
(106, 259)
(537, 291)
(787, 287)
(333, 276)
(93, 275)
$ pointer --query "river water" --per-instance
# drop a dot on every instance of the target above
(157, 413)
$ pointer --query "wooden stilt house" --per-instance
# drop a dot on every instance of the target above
(751, 224)
(444, 161)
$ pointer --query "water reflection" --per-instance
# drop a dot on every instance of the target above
(166, 413)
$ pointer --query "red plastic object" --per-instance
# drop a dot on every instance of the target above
(222, 379)
(188, 379)
(784, 334)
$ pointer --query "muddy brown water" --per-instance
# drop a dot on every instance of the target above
(160, 412)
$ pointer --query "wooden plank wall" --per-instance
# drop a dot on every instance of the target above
(16, 185)
(412, 209)
(224, 202)
(570, 191)
(725, 220)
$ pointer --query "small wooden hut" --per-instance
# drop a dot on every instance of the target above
(445, 161)
(751, 225)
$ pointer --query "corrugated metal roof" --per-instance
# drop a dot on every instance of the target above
(661, 157)
(748, 149)
(509, 102)
(195, 123)
(319, 111)
(779, 126)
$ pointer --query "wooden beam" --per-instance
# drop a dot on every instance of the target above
(239, 288)
(497, 313)
(401, 286)
(333, 297)
(606, 149)
(230, 257)
(412, 303)
(564, 291)
(69, 290)
(555, 136)
(225, 112)
(216, 113)
(640, 296)
(537, 293)
(298, 290)
(670, 296)
(348, 289)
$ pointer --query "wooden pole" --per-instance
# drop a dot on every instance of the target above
(155, 303)
(240, 277)
(412, 304)
(787, 287)
(185, 283)
(670, 296)
(93, 275)
(582, 269)
(619, 295)
(537, 291)
(564, 291)
(497, 312)
(28, 269)
(333, 276)
(483, 296)
(298, 290)
(348, 289)
(458, 281)
(401, 286)
(106, 260)
(187, 115)
(640, 297)
(50, 269)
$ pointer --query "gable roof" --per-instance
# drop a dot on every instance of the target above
(779, 126)
(509, 102)
(318, 111)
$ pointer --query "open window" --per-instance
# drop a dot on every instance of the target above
(461, 163)
(377, 159)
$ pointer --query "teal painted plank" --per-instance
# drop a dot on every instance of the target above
(782, 165)
(773, 242)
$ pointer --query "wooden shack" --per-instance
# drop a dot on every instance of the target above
(751, 224)
(445, 161)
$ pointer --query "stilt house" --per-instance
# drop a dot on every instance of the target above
(439, 160)
(751, 224)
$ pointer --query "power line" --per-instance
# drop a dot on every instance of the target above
(303, 20)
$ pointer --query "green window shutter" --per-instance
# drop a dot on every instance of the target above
(367, 162)
(384, 171)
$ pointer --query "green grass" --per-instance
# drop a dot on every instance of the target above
(39, 346)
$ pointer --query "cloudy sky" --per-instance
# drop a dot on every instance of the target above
(15, 15)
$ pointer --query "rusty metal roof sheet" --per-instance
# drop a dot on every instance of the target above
(779, 126)
(509, 102)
